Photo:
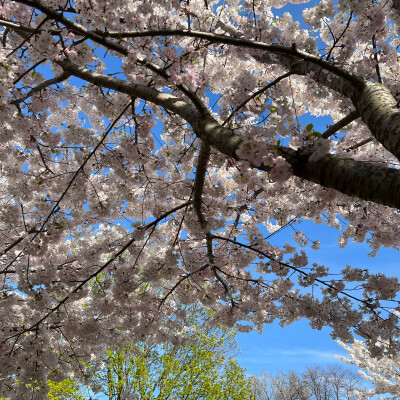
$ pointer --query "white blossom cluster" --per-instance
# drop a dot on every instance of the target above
(152, 152)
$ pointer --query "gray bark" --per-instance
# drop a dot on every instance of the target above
(357, 179)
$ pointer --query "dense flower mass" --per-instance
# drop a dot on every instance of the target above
(150, 150)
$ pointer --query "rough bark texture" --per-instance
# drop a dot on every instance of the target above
(397, 5)
(358, 179)
(354, 178)
(378, 109)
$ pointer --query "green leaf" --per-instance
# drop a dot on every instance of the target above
(309, 127)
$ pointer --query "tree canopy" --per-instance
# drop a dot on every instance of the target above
(201, 365)
(163, 143)
(332, 382)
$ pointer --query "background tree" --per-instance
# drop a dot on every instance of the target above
(68, 389)
(90, 184)
(202, 366)
(382, 372)
(281, 386)
(332, 382)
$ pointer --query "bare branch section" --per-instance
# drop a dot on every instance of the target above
(340, 124)
(373, 101)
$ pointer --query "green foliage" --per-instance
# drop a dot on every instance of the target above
(68, 389)
(202, 367)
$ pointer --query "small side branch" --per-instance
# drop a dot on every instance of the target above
(255, 94)
(183, 278)
(362, 143)
(341, 124)
(377, 69)
(27, 38)
(53, 81)
(16, 242)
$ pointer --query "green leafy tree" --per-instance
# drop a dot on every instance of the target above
(68, 389)
(201, 367)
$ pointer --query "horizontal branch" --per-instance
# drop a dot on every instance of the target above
(358, 179)
(355, 178)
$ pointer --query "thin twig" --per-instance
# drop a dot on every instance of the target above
(362, 143)
(255, 94)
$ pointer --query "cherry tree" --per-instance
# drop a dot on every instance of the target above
(147, 147)
(383, 373)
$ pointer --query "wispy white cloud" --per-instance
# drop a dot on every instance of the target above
(292, 353)
(272, 359)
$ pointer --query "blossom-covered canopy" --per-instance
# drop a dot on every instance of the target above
(150, 149)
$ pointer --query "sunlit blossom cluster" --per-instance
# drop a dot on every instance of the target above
(149, 153)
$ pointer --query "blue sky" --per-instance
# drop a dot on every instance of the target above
(297, 346)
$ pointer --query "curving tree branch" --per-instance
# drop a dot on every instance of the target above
(355, 178)
(377, 107)
(42, 86)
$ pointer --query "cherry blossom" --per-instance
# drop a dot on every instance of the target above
(149, 152)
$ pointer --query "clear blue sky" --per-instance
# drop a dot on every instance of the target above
(297, 346)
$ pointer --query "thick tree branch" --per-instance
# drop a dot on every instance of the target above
(396, 4)
(289, 52)
(368, 181)
(74, 27)
(373, 101)
(358, 179)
